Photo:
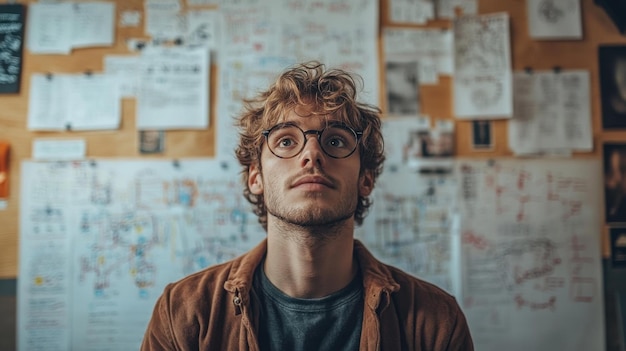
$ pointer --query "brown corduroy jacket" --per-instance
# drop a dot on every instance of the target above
(217, 309)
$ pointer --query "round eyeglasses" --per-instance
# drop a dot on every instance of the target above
(287, 140)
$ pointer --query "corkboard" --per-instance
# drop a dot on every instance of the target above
(435, 101)
(116, 143)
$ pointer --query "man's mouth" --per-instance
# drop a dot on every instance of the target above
(313, 179)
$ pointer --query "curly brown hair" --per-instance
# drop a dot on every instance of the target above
(331, 92)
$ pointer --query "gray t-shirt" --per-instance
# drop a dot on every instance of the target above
(328, 323)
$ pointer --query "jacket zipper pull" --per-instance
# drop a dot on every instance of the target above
(237, 303)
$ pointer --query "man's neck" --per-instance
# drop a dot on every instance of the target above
(306, 263)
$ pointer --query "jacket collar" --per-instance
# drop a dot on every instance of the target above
(377, 277)
(242, 269)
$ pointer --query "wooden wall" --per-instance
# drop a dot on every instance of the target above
(436, 101)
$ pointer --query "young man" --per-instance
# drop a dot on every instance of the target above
(311, 155)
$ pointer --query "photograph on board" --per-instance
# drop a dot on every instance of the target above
(402, 85)
(151, 141)
(431, 149)
(615, 182)
(482, 138)
(612, 64)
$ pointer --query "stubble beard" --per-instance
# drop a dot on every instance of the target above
(320, 218)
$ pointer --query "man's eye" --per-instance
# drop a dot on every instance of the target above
(286, 142)
(336, 142)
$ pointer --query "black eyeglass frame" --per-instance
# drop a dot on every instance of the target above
(318, 132)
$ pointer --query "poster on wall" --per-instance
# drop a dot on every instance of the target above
(12, 19)
(618, 247)
(612, 64)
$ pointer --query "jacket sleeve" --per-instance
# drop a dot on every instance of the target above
(158, 334)
(461, 339)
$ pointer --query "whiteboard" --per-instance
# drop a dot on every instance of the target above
(531, 260)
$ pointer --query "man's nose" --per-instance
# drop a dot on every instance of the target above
(312, 152)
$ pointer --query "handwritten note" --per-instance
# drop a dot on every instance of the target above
(482, 74)
(552, 112)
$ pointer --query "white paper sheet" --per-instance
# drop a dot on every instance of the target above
(46, 103)
(100, 239)
(431, 48)
(73, 102)
(95, 102)
(58, 28)
(482, 74)
(531, 260)
(49, 28)
(174, 89)
(202, 29)
(552, 112)
(446, 8)
(554, 19)
(248, 30)
(415, 12)
(125, 70)
(93, 24)
(164, 20)
(43, 317)
(59, 149)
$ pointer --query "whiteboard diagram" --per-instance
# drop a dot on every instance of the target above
(531, 268)
(101, 239)
(411, 225)
(515, 241)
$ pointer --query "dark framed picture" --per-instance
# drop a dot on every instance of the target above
(616, 9)
(12, 22)
(614, 165)
(482, 136)
(618, 247)
(612, 61)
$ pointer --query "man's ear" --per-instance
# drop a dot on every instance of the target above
(255, 181)
(366, 183)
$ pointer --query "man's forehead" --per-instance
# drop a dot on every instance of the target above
(308, 116)
(305, 117)
(312, 123)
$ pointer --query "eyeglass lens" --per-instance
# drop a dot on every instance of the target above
(287, 141)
